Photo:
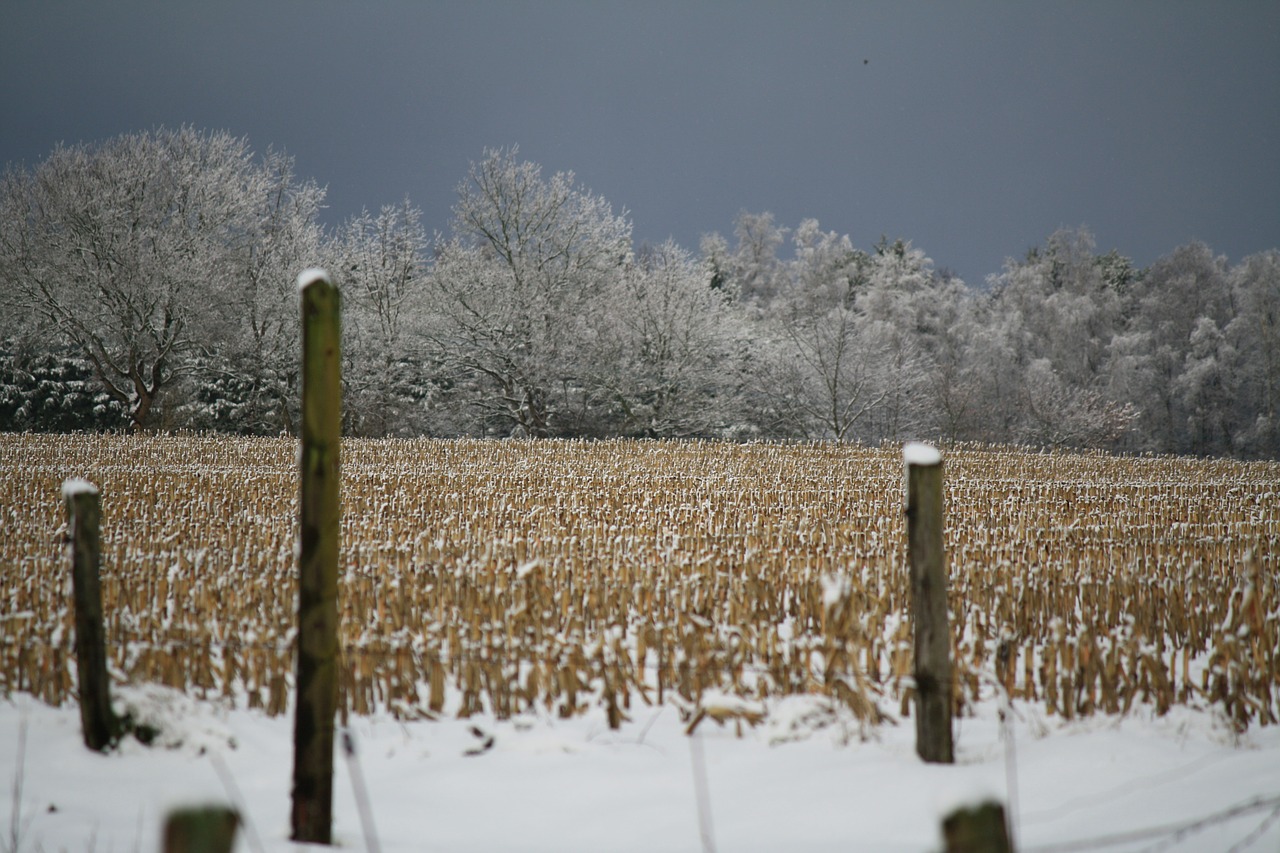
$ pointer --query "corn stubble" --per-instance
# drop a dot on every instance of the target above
(499, 577)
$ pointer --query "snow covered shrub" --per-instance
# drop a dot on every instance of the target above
(54, 392)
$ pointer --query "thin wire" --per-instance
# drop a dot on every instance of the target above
(362, 793)
(233, 791)
(1259, 831)
(15, 825)
(1109, 794)
(1006, 713)
(1167, 833)
(701, 793)
(1010, 769)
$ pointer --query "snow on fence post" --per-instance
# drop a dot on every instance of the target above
(200, 830)
(97, 720)
(319, 517)
(929, 603)
(979, 829)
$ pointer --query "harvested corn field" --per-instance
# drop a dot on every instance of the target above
(493, 577)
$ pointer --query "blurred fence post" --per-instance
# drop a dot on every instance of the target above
(84, 514)
(929, 603)
(319, 522)
(978, 829)
(200, 830)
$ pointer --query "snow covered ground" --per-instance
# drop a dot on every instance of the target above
(804, 780)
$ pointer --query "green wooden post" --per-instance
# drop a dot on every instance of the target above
(200, 830)
(980, 829)
(929, 603)
(98, 722)
(319, 521)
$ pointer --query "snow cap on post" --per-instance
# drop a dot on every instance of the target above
(919, 453)
(77, 486)
(310, 276)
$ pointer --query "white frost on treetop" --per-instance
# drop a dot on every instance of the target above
(919, 453)
(77, 486)
(310, 276)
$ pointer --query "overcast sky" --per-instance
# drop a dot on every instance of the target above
(973, 129)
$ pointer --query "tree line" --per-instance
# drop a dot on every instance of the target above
(147, 283)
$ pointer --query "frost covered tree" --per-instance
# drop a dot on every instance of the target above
(755, 265)
(669, 358)
(907, 306)
(246, 377)
(1068, 308)
(382, 270)
(825, 269)
(994, 364)
(821, 373)
(514, 291)
(1254, 334)
(1079, 349)
(826, 376)
(1059, 414)
(751, 270)
(136, 252)
(1057, 313)
(951, 332)
(1151, 348)
(848, 345)
(1226, 389)
(1206, 389)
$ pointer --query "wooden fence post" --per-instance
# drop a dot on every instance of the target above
(319, 522)
(980, 829)
(929, 603)
(200, 830)
(84, 513)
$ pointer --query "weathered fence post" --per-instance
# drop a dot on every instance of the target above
(200, 830)
(929, 602)
(319, 520)
(84, 513)
(979, 829)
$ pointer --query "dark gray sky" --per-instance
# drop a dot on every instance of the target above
(974, 129)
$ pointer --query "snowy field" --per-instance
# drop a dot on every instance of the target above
(1079, 583)
(803, 780)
